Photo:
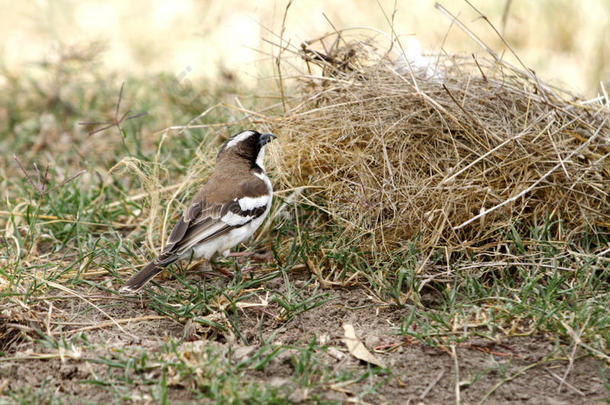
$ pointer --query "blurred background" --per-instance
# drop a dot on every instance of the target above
(566, 42)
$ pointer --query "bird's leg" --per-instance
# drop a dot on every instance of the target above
(195, 264)
(256, 256)
(215, 269)
(219, 267)
(239, 254)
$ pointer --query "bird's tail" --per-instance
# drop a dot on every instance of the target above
(142, 277)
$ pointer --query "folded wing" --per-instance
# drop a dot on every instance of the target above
(203, 221)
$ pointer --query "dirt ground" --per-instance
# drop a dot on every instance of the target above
(418, 374)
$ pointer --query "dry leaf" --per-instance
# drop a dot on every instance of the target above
(357, 348)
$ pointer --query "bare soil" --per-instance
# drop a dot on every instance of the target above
(418, 373)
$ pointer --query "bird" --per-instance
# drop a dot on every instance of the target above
(228, 209)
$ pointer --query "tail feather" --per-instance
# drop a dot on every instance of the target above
(142, 277)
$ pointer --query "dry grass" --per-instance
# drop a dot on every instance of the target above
(453, 154)
(389, 152)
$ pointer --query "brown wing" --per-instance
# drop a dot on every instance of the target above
(202, 221)
(207, 218)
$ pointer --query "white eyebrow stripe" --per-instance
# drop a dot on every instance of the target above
(249, 203)
(239, 137)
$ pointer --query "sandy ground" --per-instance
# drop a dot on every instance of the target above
(513, 369)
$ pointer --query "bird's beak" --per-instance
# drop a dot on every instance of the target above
(266, 138)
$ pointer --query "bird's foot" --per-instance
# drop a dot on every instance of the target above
(195, 264)
(239, 254)
(220, 268)
(258, 256)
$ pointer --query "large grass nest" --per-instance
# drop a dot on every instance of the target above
(460, 153)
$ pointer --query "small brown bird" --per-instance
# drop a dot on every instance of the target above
(229, 208)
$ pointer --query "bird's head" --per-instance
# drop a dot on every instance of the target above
(248, 146)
